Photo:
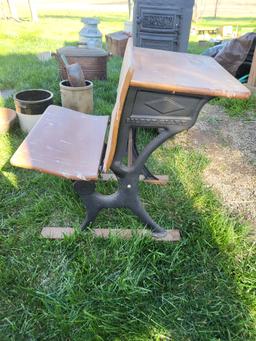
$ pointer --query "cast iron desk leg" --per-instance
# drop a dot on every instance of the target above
(127, 195)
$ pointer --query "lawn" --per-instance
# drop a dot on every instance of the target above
(82, 288)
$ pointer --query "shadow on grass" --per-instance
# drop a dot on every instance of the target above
(186, 291)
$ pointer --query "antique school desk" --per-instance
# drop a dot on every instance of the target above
(157, 89)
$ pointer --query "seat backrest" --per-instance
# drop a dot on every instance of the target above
(123, 86)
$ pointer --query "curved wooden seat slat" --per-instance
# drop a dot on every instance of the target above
(65, 143)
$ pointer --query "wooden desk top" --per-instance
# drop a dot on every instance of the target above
(184, 73)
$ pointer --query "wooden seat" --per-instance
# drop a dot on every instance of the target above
(64, 142)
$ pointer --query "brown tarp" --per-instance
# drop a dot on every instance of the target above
(235, 52)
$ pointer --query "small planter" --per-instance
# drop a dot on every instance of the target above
(30, 105)
(77, 98)
(116, 43)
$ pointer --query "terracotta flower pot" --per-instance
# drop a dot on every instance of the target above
(7, 118)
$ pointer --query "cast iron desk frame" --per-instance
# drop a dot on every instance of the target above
(143, 108)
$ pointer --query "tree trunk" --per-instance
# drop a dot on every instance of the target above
(33, 10)
(216, 8)
(198, 9)
(13, 10)
(130, 9)
(3, 13)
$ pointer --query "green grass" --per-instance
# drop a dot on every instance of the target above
(243, 24)
(237, 108)
(81, 288)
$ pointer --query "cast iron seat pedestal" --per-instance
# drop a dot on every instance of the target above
(157, 89)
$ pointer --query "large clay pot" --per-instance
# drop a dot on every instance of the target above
(77, 98)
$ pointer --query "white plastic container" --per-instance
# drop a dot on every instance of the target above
(27, 122)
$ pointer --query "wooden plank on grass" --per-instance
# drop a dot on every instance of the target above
(56, 232)
(171, 236)
(162, 179)
(60, 232)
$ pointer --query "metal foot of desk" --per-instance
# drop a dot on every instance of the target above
(127, 195)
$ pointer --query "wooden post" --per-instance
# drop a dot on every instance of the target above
(252, 74)
(216, 8)
(33, 10)
(130, 9)
(3, 14)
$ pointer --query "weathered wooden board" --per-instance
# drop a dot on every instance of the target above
(60, 232)
(65, 143)
(162, 179)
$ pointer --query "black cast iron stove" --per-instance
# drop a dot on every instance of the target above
(162, 24)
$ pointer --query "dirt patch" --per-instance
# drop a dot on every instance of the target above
(230, 144)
